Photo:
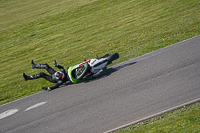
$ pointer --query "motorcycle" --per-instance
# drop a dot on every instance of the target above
(86, 69)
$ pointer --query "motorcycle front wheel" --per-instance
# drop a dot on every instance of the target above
(82, 71)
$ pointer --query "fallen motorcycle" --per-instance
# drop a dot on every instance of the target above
(91, 67)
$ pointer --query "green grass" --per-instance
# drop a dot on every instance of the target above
(185, 120)
(70, 31)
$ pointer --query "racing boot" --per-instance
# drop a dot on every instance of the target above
(31, 77)
(39, 66)
(26, 77)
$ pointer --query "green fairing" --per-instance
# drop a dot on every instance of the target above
(70, 75)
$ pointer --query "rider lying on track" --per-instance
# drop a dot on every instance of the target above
(58, 77)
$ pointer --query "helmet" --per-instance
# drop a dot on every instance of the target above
(58, 75)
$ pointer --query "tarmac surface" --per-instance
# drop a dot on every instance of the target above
(122, 94)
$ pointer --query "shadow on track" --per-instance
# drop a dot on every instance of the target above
(108, 72)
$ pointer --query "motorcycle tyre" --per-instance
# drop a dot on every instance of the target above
(112, 57)
(85, 71)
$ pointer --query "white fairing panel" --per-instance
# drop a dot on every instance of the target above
(97, 65)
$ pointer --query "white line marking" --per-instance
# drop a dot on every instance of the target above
(35, 106)
(148, 117)
(8, 113)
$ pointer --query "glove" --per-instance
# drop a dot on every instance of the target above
(46, 88)
(55, 64)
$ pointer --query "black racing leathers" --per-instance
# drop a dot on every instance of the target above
(52, 77)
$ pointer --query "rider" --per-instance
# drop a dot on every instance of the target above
(58, 77)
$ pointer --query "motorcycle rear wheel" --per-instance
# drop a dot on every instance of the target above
(112, 57)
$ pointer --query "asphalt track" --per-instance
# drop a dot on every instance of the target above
(125, 93)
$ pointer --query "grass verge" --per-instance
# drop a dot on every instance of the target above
(70, 31)
(185, 120)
